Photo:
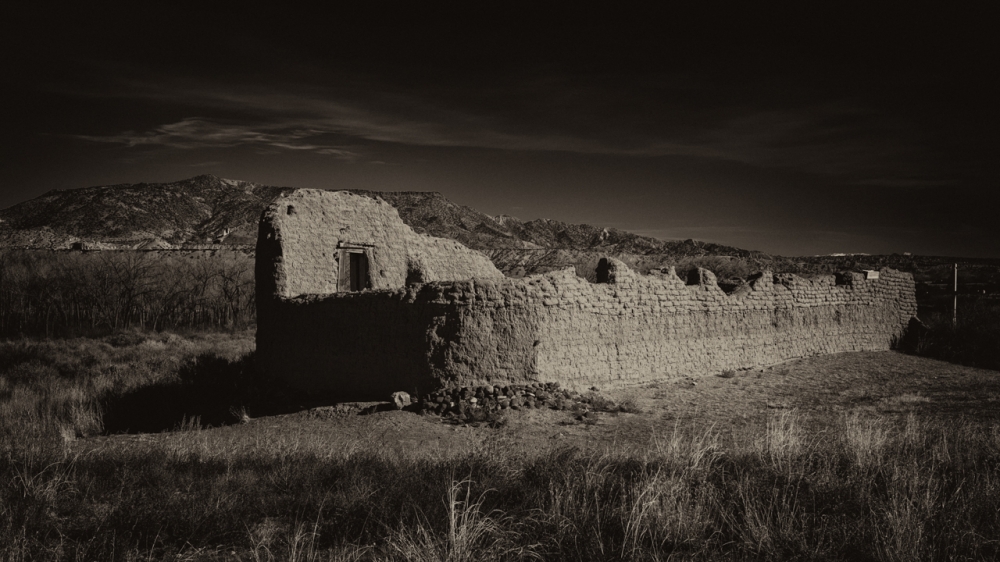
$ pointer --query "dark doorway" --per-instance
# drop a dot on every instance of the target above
(359, 271)
(353, 270)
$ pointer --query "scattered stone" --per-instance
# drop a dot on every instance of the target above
(468, 404)
(400, 399)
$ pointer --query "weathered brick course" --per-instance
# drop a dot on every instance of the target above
(467, 324)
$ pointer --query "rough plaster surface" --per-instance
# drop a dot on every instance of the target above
(300, 234)
(627, 329)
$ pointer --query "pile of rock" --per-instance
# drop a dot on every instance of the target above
(465, 400)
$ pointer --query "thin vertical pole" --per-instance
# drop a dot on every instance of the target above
(954, 310)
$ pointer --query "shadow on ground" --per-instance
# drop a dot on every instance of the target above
(210, 391)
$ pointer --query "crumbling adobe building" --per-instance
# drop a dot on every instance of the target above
(353, 303)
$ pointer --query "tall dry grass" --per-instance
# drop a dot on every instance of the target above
(865, 488)
(58, 390)
(820, 504)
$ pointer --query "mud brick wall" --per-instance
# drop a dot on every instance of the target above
(637, 329)
(315, 343)
(300, 235)
(557, 327)
(433, 313)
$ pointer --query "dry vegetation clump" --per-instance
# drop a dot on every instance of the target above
(64, 389)
(973, 341)
(66, 294)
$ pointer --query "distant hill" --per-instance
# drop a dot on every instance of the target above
(200, 210)
(207, 212)
(431, 213)
(211, 210)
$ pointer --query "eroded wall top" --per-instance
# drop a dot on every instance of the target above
(628, 329)
(307, 237)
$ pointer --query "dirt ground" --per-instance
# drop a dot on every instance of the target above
(819, 390)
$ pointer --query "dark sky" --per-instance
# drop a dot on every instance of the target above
(793, 132)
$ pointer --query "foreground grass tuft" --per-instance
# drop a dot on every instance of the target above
(866, 487)
(878, 491)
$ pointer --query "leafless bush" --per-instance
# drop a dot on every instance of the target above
(67, 293)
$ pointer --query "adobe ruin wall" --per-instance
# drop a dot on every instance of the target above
(487, 329)
(301, 236)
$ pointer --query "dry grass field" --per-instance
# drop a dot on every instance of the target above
(158, 447)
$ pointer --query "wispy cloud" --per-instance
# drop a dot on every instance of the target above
(904, 182)
(831, 138)
(197, 132)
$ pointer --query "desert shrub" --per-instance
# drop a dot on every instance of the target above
(68, 293)
(974, 340)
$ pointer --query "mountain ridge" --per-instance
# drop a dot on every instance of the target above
(207, 209)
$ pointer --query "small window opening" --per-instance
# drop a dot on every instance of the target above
(414, 277)
(603, 271)
(414, 274)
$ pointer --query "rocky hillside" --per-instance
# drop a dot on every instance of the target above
(432, 213)
(207, 209)
(203, 209)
